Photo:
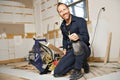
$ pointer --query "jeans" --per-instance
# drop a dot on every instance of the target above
(71, 61)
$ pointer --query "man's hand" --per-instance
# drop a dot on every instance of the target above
(73, 37)
(64, 51)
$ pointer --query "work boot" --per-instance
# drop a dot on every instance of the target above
(58, 75)
(76, 75)
(86, 67)
(46, 70)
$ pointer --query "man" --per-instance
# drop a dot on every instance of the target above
(73, 29)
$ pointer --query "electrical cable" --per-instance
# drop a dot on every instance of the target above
(98, 16)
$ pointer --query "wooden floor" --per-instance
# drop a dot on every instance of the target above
(96, 70)
(99, 69)
(4, 76)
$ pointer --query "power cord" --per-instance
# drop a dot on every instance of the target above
(102, 9)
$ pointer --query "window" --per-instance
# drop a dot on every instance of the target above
(78, 7)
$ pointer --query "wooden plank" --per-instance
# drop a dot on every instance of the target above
(99, 71)
(89, 75)
(54, 48)
(108, 48)
(4, 76)
(95, 59)
(82, 78)
(119, 56)
(92, 51)
(104, 71)
(12, 60)
(94, 72)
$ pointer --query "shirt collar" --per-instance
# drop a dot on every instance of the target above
(72, 19)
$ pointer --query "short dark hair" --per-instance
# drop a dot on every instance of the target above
(60, 3)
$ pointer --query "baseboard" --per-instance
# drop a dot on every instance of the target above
(101, 59)
(90, 59)
(12, 60)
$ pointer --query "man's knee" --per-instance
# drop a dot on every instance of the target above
(58, 70)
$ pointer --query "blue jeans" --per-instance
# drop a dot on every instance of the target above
(71, 61)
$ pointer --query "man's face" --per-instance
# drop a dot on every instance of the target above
(64, 11)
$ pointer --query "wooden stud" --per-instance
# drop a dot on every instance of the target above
(119, 56)
(108, 48)
(92, 51)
